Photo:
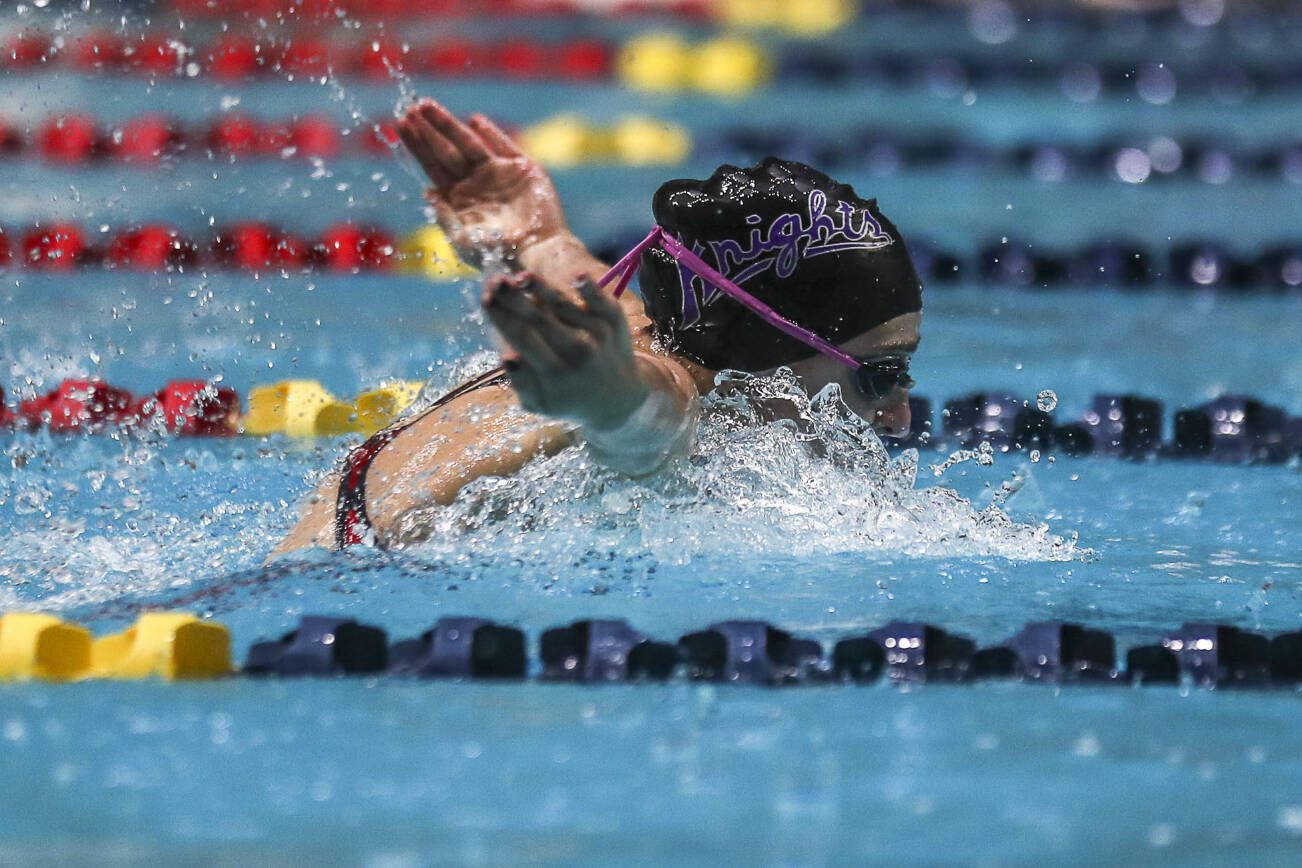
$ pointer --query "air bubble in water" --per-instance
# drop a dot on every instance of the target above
(1047, 400)
(31, 500)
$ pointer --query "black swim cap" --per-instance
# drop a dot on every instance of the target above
(804, 244)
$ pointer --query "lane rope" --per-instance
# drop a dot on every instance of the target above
(262, 248)
(179, 646)
(1232, 428)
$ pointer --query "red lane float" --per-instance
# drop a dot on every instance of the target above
(146, 140)
(193, 408)
(455, 58)
(70, 139)
(232, 57)
(97, 52)
(397, 10)
(350, 248)
(253, 246)
(25, 50)
(79, 405)
(154, 55)
(381, 59)
(315, 136)
(187, 408)
(149, 139)
(306, 56)
(57, 247)
(240, 135)
(246, 246)
(586, 60)
(379, 139)
(151, 248)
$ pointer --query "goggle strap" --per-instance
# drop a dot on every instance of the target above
(679, 251)
(627, 267)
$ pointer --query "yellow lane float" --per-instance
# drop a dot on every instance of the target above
(568, 140)
(655, 63)
(729, 67)
(639, 140)
(370, 412)
(171, 645)
(304, 408)
(34, 645)
(428, 251)
(563, 141)
(816, 17)
(288, 407)
(799, 17)
(659, 63)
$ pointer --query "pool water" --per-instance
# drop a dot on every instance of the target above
(387, 772)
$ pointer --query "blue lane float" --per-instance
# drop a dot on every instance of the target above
(1124, 426)
(915, 653)
(603, 651)
(322, 646)
(1229, 429)
(1286, 658)
(750, 652)
(1237, 429)
(1051, 651)
(1004, 421)
(461, 648)
(1207, 655)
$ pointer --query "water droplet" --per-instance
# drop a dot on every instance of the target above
(1047, 400)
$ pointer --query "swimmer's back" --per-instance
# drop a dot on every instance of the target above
(481, 432)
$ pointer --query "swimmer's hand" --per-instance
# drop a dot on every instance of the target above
(487, 193)
(567, 360)
(575, 360)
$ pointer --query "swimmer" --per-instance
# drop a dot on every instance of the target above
(751, 269)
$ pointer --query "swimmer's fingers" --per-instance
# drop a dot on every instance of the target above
(495, 137)
(563, 308)
(471, 150)
(599, 303)
(445, 153)
(416, 142)
(567, 328)
(517, 318)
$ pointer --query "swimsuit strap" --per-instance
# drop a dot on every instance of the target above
(352, 524)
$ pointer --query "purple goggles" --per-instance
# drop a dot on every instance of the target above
(875, 378)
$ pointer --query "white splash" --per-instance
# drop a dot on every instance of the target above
(816, 482)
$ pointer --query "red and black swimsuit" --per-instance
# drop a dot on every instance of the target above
(352, 524)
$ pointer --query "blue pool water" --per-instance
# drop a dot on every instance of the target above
(391, 773)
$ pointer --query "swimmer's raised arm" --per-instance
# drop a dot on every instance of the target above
(489, 195)
(576, 360)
